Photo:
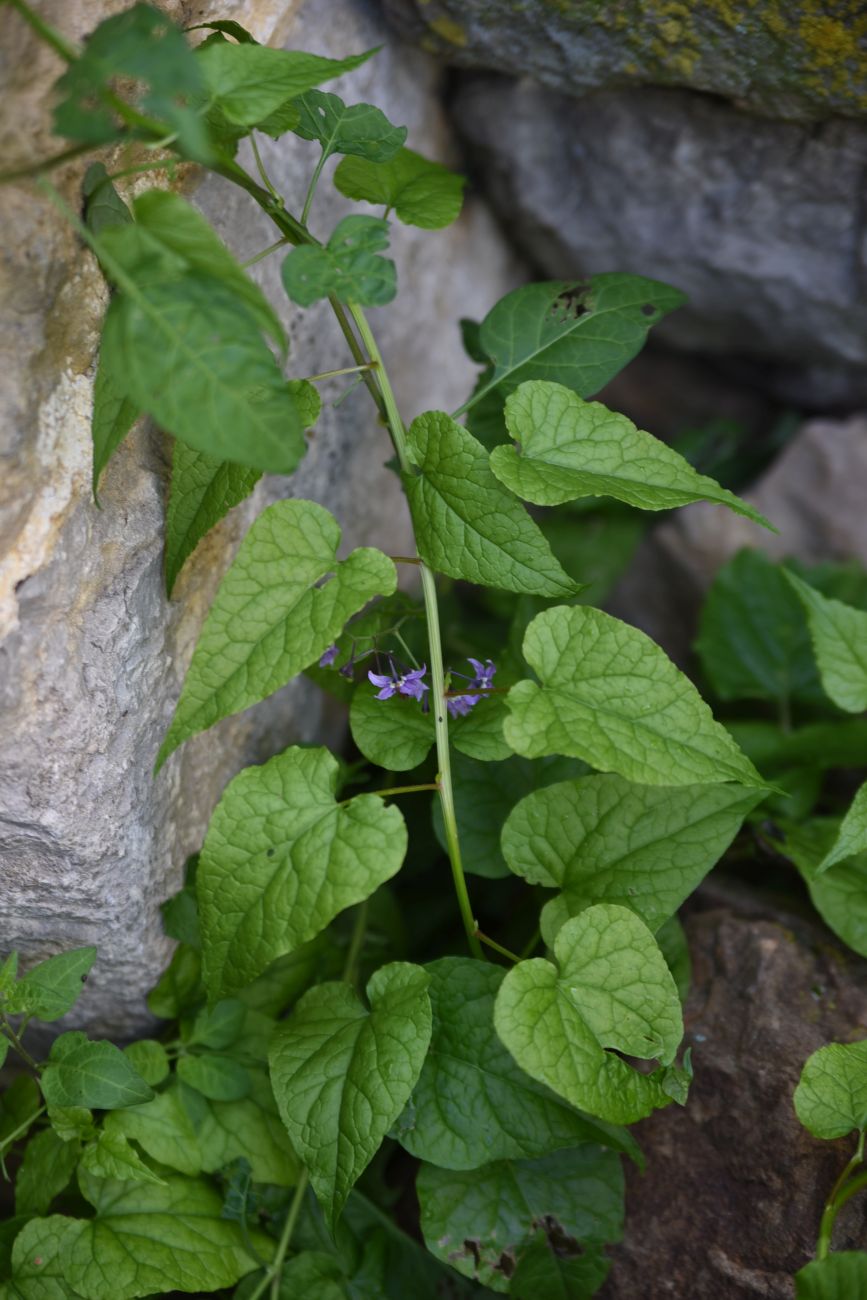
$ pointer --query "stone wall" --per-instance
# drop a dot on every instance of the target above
(91, 652)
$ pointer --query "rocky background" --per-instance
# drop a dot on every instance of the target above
(721, 147)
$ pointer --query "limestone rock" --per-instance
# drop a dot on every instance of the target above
(91, 653)
(786, 58)
(730, 1202)
(813, 494)
(761, 223)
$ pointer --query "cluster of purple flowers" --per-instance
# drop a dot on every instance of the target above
(400, 680)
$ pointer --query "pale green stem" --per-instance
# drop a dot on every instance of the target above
(12, 1138)
(344, 370)
(405, 789)
(44, 30)
(429, 592)
(19, 1047)
(840, 1194)
(272, 1276)
(260, 167)
(498, 947)
(272, 248)
(311, 188)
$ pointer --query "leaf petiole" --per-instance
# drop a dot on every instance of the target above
(497, 947)
(842, 1191)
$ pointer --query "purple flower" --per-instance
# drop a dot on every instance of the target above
(484, 673)
(408, 683)
(460, 705)
(329, 656)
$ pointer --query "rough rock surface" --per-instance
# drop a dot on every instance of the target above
(91, 653)
(761, 223)
(730, 1203)
(813, 494)
(787, 58)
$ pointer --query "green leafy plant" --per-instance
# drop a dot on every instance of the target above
(313, 1026)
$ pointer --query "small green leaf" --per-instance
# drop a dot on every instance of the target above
(484, 794)
(111, 1156)
(103, 205)
(192, 356)
(53, 987)
(162, 1128)
(179, 987)
(148, 1238)
(290, 616)
(472, 1104)
(753, 638)
(114, 413)
(229, 27)
(612, 990)
(852, 835)
(348, 267)
(842, 1275)
(180, 915)
(8, 974)
(98, 1075)
(342, 1074)
(361, 129)
(611, 696)
(394, 734)
(150, 1059)
(72, 1123)
(839, 635)
(185, 232)
(281, 859)
(45, 1171)
(840, 895)
(217, 1077)
(577, 334)
(140, 44)
(251, 1127)
(422, 193)
(601, 839)
(568, 448)
(39, 1260)
(545, 1271)
(220, 1026)
(249, 82)
(831, 1097)
(467, 524)
(483, 1222)
(203, 491)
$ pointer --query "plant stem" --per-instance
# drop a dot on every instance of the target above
(405, 789)
(48, 33)
(16, 1042)
(842, 1190)
(350, 972)
(429, 591)
(344, 370)
(498, 947)
(272, 248)
(404, 559)
(275, 1268)
(11, 1138)
(311, 188)
(260, 167)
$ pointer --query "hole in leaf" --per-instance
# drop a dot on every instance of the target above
(648, 309)
(471, 1247)
(506, 1264)
(559, 1239)
(571, 303)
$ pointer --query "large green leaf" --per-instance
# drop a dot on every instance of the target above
(218, 1078)
(162, 1128)
(191, 355)
(839, 635)
(472, 1104)
(155, 1238)
(393, 733)
(852, 835)
(97, 1075)
(249, 82)
(601, 839)
(204, 490)
(838, 895)
(611, 696)
(140, 44)
(342, 1074)
(45, 1171)
(349, 267)
(485, 793)
(831, 1097)
(610, 989)
(545, 1271)
(484, 1221)
(466, 523)
(422, 193)
(842, 1275)
(358, 129)
(281, 858)
(574, 333)
(568, 448)
(250, 1128)
(53, 987)
(185, 232)
(273, 614)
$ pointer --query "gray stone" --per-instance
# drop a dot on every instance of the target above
(813, 494)
(91, 653)
(730, 1202)
(761, 223)
(786, 58)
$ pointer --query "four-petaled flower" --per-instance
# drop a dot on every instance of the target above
(397, 683)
